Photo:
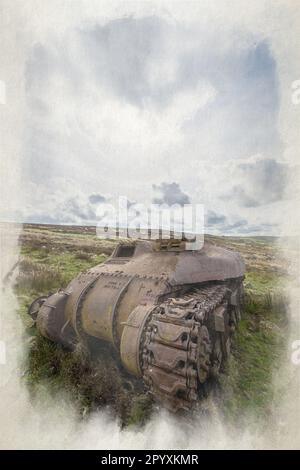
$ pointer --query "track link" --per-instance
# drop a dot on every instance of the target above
(177, 349)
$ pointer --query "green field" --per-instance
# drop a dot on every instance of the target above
(50, 256)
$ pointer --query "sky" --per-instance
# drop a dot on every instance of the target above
(154, 104)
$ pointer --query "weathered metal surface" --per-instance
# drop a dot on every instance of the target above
(131, 347)
(169, 313)
(211, 263)
(177, 353)
(52, 322)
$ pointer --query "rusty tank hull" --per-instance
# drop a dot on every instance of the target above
(168, 312)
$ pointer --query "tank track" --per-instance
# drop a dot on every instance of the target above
(178, 353)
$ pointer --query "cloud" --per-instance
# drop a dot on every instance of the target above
(119, 53)
(63, 203)
(218, 223)
(261, 181)
(214, 219)
(83, 211)
(73, 210)
(143, 98)
(238, 193)
(96, 198)
(170, 193)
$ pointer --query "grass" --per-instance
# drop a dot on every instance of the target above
(258, 283)
(258, 350)
(43, 271)
(51, 258)
(91, 382)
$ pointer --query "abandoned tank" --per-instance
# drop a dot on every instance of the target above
(169, 313)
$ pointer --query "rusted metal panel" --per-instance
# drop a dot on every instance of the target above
(52, 322)
(140, 291)
(131, 339)
(97, 312)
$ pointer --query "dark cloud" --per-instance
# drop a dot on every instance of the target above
(214, 219)
(82, 210)
(220, 222)
(268, 176)
(96, 198)
(120, 52)
(236, 226)
(170, 193)
(262, 182)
